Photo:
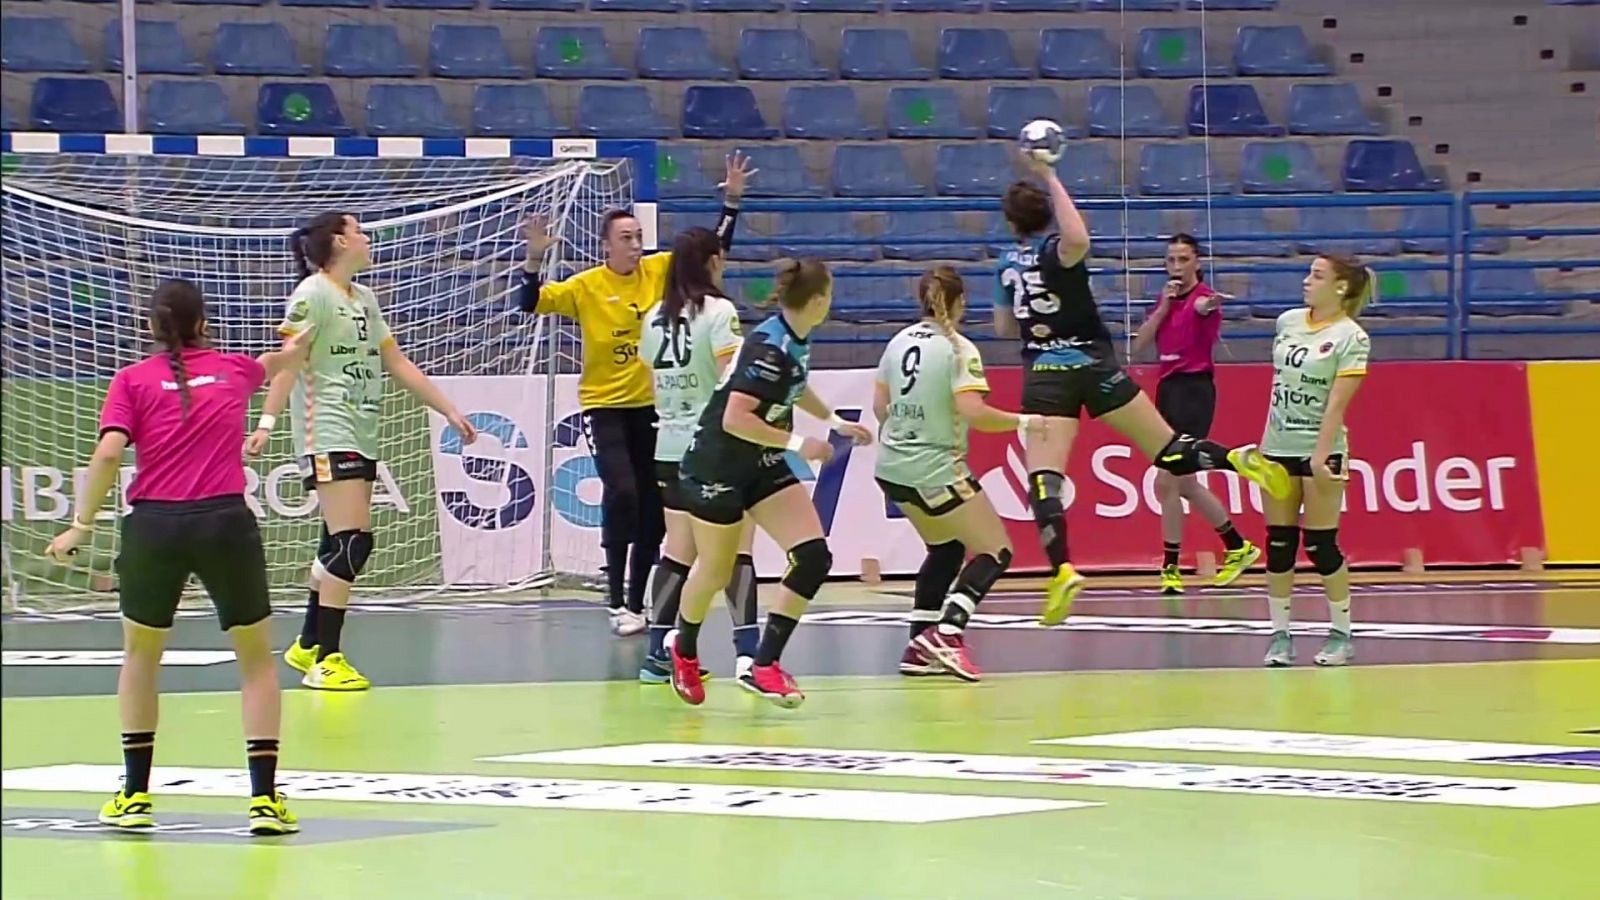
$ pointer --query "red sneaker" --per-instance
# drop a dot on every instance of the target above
(774, 684)
(951, 652)
(916, 663)
(686, 680)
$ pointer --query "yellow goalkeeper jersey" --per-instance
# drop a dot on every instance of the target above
(610, 310)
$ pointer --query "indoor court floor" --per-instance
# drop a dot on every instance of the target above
(1138, 752)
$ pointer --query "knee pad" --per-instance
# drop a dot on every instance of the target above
(348, 554)
(1283, 542)
(978, 578)
(1044, 496)
(809, 565)
(1322, 548)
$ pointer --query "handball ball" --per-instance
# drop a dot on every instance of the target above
(1043, 140)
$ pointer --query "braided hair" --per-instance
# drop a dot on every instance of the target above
(941, 293)
(177, 319)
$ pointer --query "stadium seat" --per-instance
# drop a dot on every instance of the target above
(1336, 220)
(743, 250)
(647, 6)
(927, 112)
(8, 121)
(538, 5)
(813, 226)
(161, 48)
(575, 52)
(1035, 6)
(1140, 112)
(1076, 53)
(1281, 167)
(1407, 292)
(783, 172)
(1227, 5)
(1229, 110)
(874, 298)
(1275, 50)
(255, 48)
(873, 170)
(723, 112)
(978, 53)
(29, 44)
(1385, 166)
(1268, 294)
(1329, 109)
(1508, 292)
(1178, 170)
(1013, 106)
(187, 107)
(1214, 229)
(1147, 232)
(430, 4)
(758, 6)
(936, 6)
(1087, 170)
(75, 104)
(907, 232)
(365, 51)
(411, 110)
(1131, 5)
(973, 169)
(879, 54)
(678, 54)
(1427, 228)
(836, 6)
(220, 2)
(514, 110)
(1178, 53)
(678, 173)
(343, 4)
(619, 111)
(825, 112)
(470, 51)
(778, 54)
(299, 108)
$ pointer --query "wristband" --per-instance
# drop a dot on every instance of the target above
(795, 443)
(81, 526)
(266, 422)
(836, 423)
(1023, 421)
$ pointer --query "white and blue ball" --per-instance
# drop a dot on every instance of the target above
(1043, 140)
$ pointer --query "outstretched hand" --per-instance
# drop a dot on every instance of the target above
(536, 231)
(739, 173)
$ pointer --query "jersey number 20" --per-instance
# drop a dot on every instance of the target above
(1028, 292)
(676, 349)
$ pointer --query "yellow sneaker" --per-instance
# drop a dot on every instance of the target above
(1249, 462)
(1063, 589)
(1234, 562)
(271, 815)
(334, 673)
(124, 811)
(300, 658)
(1171, 580)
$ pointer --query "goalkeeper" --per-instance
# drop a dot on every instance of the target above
(609, 303)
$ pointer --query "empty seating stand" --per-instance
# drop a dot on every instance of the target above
(300, 108)
(470, 51)
(188, 107)
(812, 228)
(74, 104)
(879, 54)
(716, 111)
(825, 112)
(161, 48)
(908, 233)
(412, 110)
(1329, 109)
(1132, 111)
(1229, 110)
(1276, 50)
(1013, 106)
(783, 173)
(680, 54)
(873, 170)
(927, 112)
(365, 51)
(1179, 169)
(1281, 167)
(514, 110)
(575, 52)
(29, 44)
(973, 169)
(1385, 166)
(778, 54)
(619, 111)
(978, 53)
(255, 48)
(1178, 53)
(1076, 53)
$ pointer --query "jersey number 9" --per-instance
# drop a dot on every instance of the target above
(910, 363)
(1028, 293)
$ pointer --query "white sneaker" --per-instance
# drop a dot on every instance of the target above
(625, 623)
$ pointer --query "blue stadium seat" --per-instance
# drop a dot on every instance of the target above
(8, 121)
(874, 298)
(836, 6)
(936, 6)
(1335, 220)
(1385, 166)
(679, 54)
(255, 48)
(1131, 5)
(345, 4)
(873, 170)
(1214, 229)
(743, 250)
(973, 169)
(1419, 222)
(161, 48)
(760, 6)
(827, 113)
(1141, 112)
(1407, 292)
(783, 172)
(1229, 110)
(902, 237)
(514, 110)
(188, 107)
(815, 225)
(1074, 53)
(1268, 294)
(430, 4)
(1329, 109)
(1275, 50)
(1013, 106)
(298, 108)
(1178, 53)
(978, 53)
(221, 2)
(1508, 292)
(723, 112)
(470, 51)
(75, 105)
(1281, 167)
(1178, 169)
(575, 52)
(365, 51)
(1225, 5)
(412, 110)
(649, 6)
(1147, 231)
(29, 44)
(679, 175)
(1087, 170)
(927, 112)
(879, 54)
(538, 5)
(1034, 6)
(778, 54)
(619, 111)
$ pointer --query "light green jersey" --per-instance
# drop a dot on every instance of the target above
(922, 443)
(1306, 359)
(339, 395)
(682, 357)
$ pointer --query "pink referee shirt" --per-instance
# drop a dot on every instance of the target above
(1185, 338)
(178, 458)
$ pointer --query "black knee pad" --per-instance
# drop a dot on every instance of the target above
(978, 578)
(1044, 497)
(348, 554)
(809, 564)
(1283, 541)
(1322, 548)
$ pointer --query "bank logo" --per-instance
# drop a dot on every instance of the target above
(478, 465)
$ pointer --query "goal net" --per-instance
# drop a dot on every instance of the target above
(88, 236)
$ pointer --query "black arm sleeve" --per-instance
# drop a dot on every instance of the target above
(528, 293)
(725, 225)
(762, 371)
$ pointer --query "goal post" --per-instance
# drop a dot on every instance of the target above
(90, 224)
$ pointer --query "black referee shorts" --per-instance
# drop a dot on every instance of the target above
(216, 539)
(1188, 401)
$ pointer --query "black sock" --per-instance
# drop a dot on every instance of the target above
(666, 594)
(774, 637)
(616, 574)
(939, 570)
(641, 559)
(330, 623)
(1230, 536)
(262, 755)
(1169, 553)
(688, 642)
(308, 630)
(138, 751)
(977, 579)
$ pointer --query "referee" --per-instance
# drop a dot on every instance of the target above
(609, 302)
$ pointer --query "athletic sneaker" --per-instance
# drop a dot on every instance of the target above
(1338, 651)
(627, 623)
(1281, 651)
(1250, 463)
(335, 673)
(916, 663)
(300, 658)
(271, 815)
(951, 652)
(1171, 581)
(1234, 562)
(686, 680)
(124, 811)
(742, 666)
(773, 683)
(1063, 589)
(658, 670)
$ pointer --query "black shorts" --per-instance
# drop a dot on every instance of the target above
(340, 465)
(725, 503)
(1188, 401)
(1300, 466)
(1064, 383)
(667, 480)
(933, 501)
(216, 539)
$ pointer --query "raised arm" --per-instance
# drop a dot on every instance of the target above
(533, 295)
(1073, 245)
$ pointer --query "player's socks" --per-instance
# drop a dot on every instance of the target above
(939, 570)
(1044, 498)
(1231, 540)
(330, 625)
(138, 751)
(616, 575)
(641, 559)
(1170, 551)
(262, 756)
(688, 640)
(308, 629)
(976, 580)
(742, 605)
(1280, 612)
(1339, 614)
(666, 592)
(774, 638)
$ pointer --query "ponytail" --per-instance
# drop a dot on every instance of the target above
(1360, 283)
(312, 243)
(175, 360)
(297, 246)
(939, 291)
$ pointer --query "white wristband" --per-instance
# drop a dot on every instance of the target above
(836, 423)
(796, 442)
(266, 422)
(86, 528)
(1023, 421)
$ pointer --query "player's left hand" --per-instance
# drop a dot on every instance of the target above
(1036, 167)
(739, 172)
(66, 544)
(860, 435)
(460, 423)
(1320, 469)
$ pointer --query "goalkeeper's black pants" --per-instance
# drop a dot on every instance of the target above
(624, 442)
